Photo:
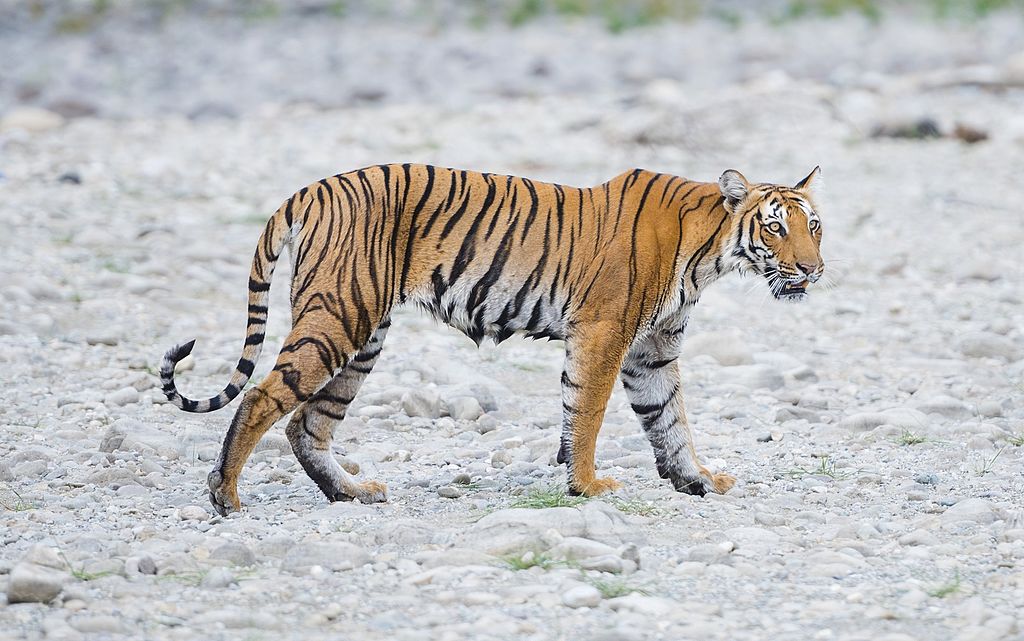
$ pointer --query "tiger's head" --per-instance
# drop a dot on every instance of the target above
(776, 232)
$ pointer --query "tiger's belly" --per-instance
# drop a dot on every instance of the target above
(497, 310)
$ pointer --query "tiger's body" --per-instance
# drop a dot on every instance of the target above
(612, 270)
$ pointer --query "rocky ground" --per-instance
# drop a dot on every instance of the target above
(877, 429)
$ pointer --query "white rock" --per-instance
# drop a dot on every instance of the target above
(987, 345)
(919, 537)
(99, 624)
(582, 596)
(976, 510)
(945, 406)
(900, 417)
(235, 553)
(31, 119)
(193, 513)
(423, 402)
(752, 376)
(726, 347)
(31, 583)
(464, 408)
(123, 396)
(328, 555)
(218, 578)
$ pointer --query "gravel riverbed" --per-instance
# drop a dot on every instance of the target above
(877, 430)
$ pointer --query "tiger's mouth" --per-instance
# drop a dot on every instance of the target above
(793, 289)
(787, 289)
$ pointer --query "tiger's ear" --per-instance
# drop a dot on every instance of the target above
(809, 183)
(734, 188)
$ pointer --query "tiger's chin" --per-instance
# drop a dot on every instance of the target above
(790, 292)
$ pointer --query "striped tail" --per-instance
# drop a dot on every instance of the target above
(268, 250)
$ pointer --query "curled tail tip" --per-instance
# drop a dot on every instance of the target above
(179, 352)
(176, 354)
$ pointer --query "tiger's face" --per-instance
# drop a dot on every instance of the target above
(776, 232)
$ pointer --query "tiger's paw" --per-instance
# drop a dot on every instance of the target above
(705, 483)
(372, 492)
(594, 487)
(223, 497)
(722, 483)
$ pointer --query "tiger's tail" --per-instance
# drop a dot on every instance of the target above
(278, 232)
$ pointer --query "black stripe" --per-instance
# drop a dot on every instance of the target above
(257, 286)
(246, 366)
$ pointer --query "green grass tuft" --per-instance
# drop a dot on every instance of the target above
(550, 497)
(948, 588)
(637, 506)
(531, 560)
(826, 467)
(18, 504)
(612, 588)
(909, 438)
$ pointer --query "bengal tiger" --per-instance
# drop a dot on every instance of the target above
(612, 270)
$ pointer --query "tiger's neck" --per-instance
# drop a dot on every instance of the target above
(705, 228)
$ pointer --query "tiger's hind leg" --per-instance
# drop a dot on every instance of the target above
(309, 358)
(311, 428)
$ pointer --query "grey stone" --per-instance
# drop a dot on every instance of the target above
(45, 556)
(521, 529)
(899, 417)
(193, 513)
(752, 376)
(424, 403)
(449, 492)
(919, 537)
(464, 408)
(98, 624)
(726, 347)
(141, 564)
(328, 555)
(234, 553)
(581, 596)
(574, 548)
(123, 396)
(30, 469)
(31, 583)
(973, 509)
(218, 577)
(987, 345)
(945, 406)
(454, 557)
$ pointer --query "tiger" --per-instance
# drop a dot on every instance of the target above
(612, 270)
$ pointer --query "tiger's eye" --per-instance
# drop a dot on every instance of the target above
(814, 225)
(774, 227)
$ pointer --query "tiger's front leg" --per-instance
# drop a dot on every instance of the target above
(592, 359)
(650, 375)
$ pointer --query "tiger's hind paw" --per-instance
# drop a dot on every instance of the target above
(366, 492)
(224, 498)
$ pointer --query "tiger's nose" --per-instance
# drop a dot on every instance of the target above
(808, 268)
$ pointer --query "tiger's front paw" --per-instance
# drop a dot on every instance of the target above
(722, 483)
(594, 487)
(705, 483)
(223, 496)
(372, 492)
